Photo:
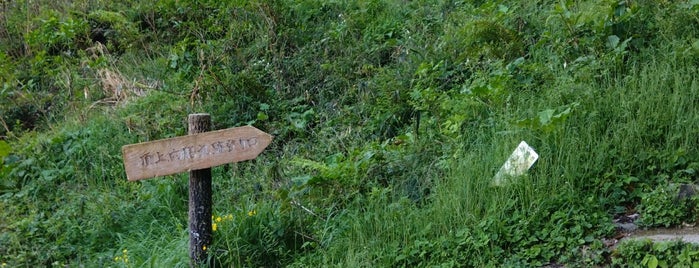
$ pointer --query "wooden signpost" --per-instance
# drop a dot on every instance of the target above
(196, 153)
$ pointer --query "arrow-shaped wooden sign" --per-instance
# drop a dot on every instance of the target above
(196, 153)
(192, 152)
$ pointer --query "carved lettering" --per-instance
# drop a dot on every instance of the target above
(175, 154)
(146, 159)
(187, 152)
(191, 152)
(161, 157)
(149, 159)
(253, 141)
(199, 151)
(230, 145)
(218, 147)
(244, 143)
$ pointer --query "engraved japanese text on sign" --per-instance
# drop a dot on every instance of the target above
(198, 151)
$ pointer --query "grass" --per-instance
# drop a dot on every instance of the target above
(390, 120)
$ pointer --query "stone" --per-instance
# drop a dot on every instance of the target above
(686, 191)
(626, 227)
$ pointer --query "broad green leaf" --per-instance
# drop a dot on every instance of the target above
(652, 261)
(545, 116)
(612, 41)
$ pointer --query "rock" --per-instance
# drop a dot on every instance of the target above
(686, 191)
(625, 223)
(626, 227)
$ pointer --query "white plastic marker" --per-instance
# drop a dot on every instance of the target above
(519, 162)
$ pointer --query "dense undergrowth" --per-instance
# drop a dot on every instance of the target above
(390, 119)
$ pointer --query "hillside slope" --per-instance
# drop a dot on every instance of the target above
(389, 118)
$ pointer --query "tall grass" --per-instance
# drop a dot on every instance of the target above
(649, 111)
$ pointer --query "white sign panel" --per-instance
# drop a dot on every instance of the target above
(519, 162)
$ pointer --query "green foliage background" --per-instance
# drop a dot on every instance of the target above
(390, 119)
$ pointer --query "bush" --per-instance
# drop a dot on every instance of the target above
(645, 253)
(57, 34)
(664, 206)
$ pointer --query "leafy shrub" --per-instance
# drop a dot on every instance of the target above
(645, 253)
(664, 207)
(49, 172)
(59, 35)
(112, 29)
(520, 238)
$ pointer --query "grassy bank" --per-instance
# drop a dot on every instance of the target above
(390, 119)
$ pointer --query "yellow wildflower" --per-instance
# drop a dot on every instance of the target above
(124, 256)
(218, 219)
(214, 227)
(229, 216)
(252, 213)
(204, 248)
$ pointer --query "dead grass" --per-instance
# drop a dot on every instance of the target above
(115, 86)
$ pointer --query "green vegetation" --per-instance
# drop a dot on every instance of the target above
(390, 119)
(648, 254)
(662, 207)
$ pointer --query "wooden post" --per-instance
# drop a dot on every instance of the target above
(200, 237)
(196, 153)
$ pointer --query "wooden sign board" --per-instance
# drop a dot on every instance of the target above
(192, 152)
